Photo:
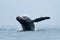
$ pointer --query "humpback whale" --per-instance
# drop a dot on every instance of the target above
(27, 23)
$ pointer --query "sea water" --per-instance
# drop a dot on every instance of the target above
(39, 34)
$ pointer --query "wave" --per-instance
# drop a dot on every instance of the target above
(6, 29)
(49, 29)
(46, 29)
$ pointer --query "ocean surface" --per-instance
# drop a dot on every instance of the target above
(39, 34)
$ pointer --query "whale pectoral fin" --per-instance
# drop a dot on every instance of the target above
(40, 19)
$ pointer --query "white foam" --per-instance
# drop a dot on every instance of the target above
(24, 15)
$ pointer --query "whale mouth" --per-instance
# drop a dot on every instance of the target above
(22, 17)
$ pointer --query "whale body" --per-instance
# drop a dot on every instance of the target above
(27, 23)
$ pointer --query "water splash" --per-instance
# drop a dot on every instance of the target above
(24, 14)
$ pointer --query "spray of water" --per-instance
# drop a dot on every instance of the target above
(24, 15)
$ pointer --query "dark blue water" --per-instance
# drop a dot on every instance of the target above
(39, 34)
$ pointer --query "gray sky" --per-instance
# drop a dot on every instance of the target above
(9, 9)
